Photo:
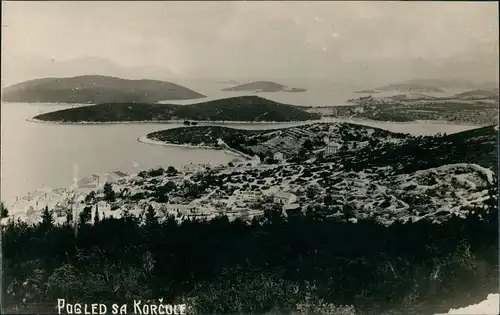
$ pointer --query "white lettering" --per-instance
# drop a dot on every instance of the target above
(60, 305)
(103, 309)
(182, 309)
(154, 309)
(77, 308)
(137, 307)
(161, 309)
(87, 309)
(170, 309)
(123, 309)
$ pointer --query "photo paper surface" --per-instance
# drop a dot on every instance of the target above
(249, 157)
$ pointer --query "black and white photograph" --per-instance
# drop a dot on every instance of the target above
(249, 157)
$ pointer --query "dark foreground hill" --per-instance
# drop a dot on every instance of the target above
(94, 89)
(244, 108)
(272, 265)
(263, 86)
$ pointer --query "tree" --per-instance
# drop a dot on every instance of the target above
(109, 193)
(85, 215)
(4, 212)
(320, 157)
(69, 216)
(328, 200)
(161, 194)
(492, 202)
(170, 186)
(96, 215)
(273, 214)
(171, 171)
(348, 211)
(308, 145)
(312, 191)
(151, 219)
(302, 154)
(47, 218)
(90, 197)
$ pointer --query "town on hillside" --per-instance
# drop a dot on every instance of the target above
(297, 169)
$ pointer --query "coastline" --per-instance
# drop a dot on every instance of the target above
(239, 122)
(413, 122)
(172, 121)
(146, 140)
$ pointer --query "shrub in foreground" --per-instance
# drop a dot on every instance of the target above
(301, 265)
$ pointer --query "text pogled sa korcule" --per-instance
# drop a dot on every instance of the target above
(136, 307)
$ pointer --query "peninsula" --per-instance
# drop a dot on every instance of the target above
(93, 89)
(361, 146)
(243, 108)
(480, 94)
(409, 88)
(477, 107)
(367, 91)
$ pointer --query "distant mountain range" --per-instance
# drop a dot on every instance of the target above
(410, 88)
(95, 89)
(434, 86)
(453, 84)
(263, 86)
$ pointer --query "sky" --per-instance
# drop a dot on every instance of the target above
(338, 40)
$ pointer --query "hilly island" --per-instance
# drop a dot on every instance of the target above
(243, 108)
(263, 86)
(93, 89)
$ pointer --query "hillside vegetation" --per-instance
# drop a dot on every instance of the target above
(244, 108)
(95, 89)
(303, 264)
(472, 146)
